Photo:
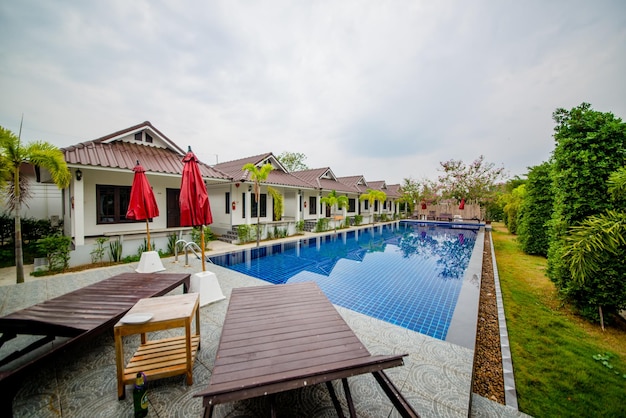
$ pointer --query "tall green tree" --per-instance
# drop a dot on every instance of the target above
(12, 156)
(334, 200)
(293, 161)
(258, 176)
(536, 210)
(372, 196)
(511, 204)
(590, 145)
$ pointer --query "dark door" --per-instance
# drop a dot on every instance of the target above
(173, 208)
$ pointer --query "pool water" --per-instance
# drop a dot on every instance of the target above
(406, 273)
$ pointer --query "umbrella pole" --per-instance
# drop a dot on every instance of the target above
(202, 246)
(148, 231)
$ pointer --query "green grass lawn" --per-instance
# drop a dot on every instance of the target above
(553, 350)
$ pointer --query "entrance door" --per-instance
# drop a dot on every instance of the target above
(173, 208)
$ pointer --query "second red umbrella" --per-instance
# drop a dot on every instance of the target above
(142, 204)
(195, 209)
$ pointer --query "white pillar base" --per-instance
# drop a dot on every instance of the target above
(205, 283)
(150, 262)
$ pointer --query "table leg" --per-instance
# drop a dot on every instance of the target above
(119, 363)
(198, 327)
(208, 411)
(333, 397)
(188, 349)
(346, 389)
(272, 406)
(394, 395)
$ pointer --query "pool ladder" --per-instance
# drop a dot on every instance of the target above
(189, 246)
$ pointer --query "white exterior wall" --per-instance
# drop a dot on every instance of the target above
(217, 199)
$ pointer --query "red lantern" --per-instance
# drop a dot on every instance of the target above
(234, 206)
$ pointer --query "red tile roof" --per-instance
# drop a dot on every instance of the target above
(358, 182)
(316, 177)
(279, 176)
(110, 153)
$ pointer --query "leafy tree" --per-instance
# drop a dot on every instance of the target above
(333, 200)
(12, 155)
(511, 206)
(598, 241)
(258, 176)
(293, 161)
(410, 193)
(414, 192)
(372, 196)
(475, 182)
(590, 145)
(536, 211)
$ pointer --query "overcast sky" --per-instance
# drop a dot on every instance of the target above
(386, 89)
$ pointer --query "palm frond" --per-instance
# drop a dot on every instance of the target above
(588, 243)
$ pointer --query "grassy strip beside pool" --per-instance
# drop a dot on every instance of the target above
(560, 360)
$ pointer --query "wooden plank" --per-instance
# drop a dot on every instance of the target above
(161, 358)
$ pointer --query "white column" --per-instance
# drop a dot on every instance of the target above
(78, 207)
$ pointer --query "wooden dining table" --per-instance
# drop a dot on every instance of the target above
(283, 337)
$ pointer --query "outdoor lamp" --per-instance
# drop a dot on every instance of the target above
(249, 188)
(79, 175)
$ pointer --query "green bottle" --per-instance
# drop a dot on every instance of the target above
(140, 396)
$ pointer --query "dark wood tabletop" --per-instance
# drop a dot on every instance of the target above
(282, 337)
(74, 317)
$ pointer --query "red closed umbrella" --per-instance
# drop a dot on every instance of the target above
(142, 204)
(195, 209)
(462, 205)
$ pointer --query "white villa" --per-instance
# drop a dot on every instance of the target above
(95, 203)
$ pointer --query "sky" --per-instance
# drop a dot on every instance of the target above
(383, 89)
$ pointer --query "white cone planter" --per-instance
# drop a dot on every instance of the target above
(150, 262)
(205, 283)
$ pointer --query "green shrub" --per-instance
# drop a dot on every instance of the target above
(322, 225)
(208, 235)
(98, 253)
(143, 247)
(171, 244)
(115, 251)
(244, 233)
(57, 251)
(279, 232)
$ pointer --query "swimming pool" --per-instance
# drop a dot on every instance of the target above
(406, 273)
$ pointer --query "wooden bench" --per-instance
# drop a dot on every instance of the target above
(445, 217)
(72, 318)
(282, 337)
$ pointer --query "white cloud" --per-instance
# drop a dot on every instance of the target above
(383, 89)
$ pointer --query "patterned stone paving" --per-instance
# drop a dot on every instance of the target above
(436, 377)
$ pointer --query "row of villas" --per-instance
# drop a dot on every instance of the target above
(95, 203)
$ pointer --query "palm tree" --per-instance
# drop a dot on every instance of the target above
(598, 236)
(333, 200)
(258, 175)
(12, 155)
(373, 195)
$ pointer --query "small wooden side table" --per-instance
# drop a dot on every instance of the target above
(159, 358)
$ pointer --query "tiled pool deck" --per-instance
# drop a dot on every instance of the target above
(436, 377)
